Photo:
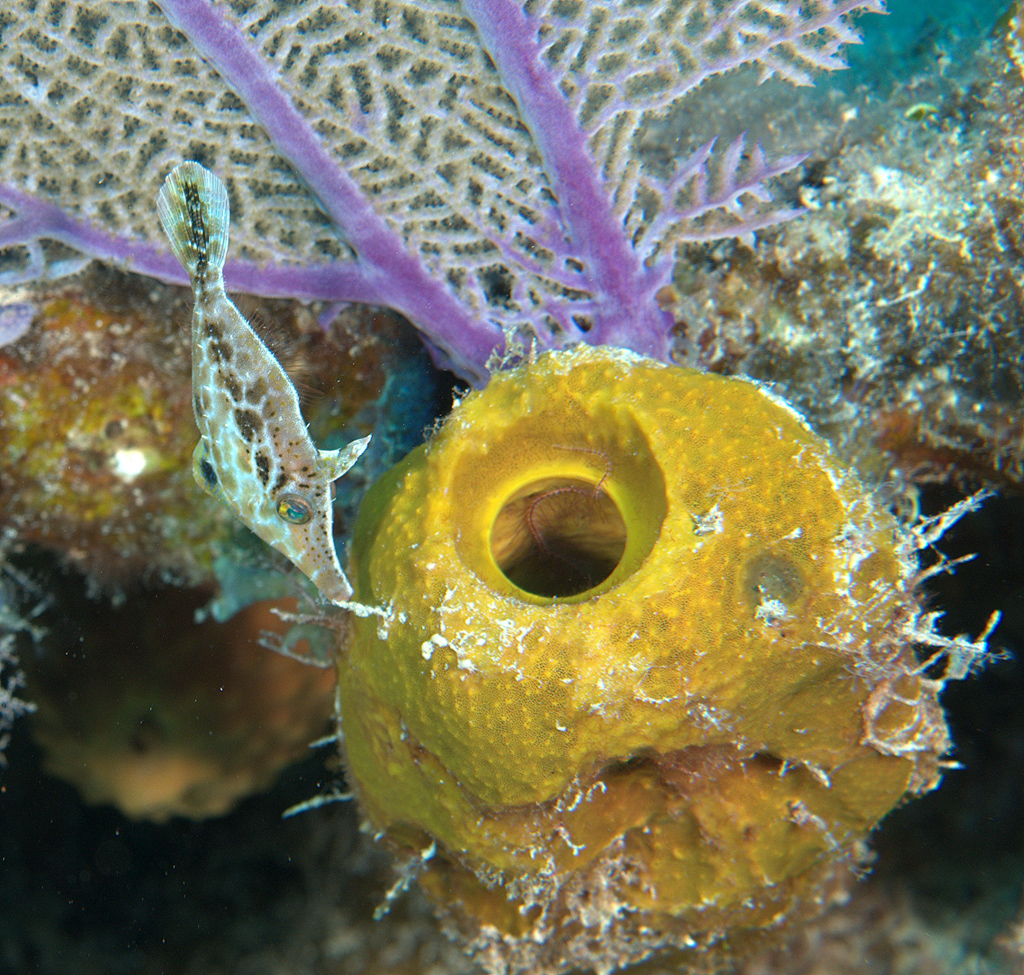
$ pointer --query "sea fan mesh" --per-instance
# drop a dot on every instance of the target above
(414, 111)
(99, 101)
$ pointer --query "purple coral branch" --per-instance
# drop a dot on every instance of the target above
(398, 278)
(732, 185)
(627, 316)
(37, 220)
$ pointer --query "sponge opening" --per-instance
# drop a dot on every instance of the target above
(558, 537)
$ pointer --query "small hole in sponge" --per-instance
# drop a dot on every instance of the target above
(558, 537)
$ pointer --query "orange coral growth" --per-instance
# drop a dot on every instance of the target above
(143, 708)
(969, 449)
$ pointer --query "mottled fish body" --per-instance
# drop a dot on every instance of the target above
(254, 451)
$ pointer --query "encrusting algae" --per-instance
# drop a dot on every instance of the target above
(641, 676)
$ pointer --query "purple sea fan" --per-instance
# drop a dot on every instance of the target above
(473, 165)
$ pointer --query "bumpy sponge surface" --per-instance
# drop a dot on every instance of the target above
(634, 672)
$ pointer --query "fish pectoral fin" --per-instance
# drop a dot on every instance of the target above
(334, 463)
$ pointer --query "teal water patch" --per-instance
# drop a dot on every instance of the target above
(914, 35)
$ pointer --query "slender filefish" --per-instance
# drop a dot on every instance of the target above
(254, 453)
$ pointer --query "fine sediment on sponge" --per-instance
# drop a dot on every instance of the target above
(638, 682)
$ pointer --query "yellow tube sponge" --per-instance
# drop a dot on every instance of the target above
(638, 679)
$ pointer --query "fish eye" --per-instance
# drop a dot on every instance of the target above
(294, 509)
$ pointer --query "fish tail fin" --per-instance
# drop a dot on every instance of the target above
(194, 210)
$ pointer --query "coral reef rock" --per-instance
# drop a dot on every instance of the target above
(891, 312)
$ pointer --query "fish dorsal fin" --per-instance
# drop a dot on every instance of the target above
(334, 463)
